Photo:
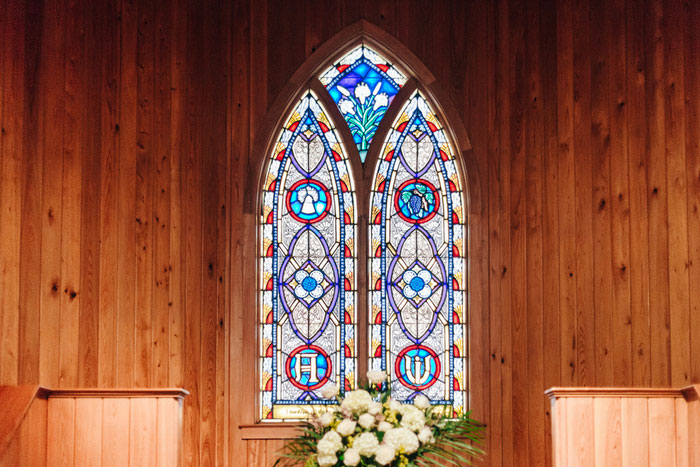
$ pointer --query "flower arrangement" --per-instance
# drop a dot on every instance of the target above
(363, 110)
(370, 428)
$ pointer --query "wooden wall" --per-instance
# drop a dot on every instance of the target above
(126, 241)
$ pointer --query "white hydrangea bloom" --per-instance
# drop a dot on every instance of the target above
(329, 392)
(426, 435)
(366, 444)
(346, 427)
(385, 454)
(351, 457)
(412, 418)
(327, 461)
(395, 405)
(357, 401)
(366, 420)
(325, 419)
(375, 408)
(384, 426)
(402, 438)
(329, 444)
(376, 376)
(421, 402)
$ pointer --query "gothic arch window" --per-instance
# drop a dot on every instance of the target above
(363, 241)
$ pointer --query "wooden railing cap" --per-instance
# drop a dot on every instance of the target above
(557, 392)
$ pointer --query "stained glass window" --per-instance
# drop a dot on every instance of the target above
(362, 84)
(417, 267)
(308, 266)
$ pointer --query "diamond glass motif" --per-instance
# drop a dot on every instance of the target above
(363, 85)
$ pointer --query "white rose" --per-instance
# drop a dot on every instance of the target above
(385, 426)
(376, 377)
(413, 419)
(357, 401)
(395, 405)
(402, 438)
(385, 454)
(329, 392)
(426, 435)
(329, 444)
(346, 427)
(366, 444)
(325, 419)
(421, 402)
(375, 408)
(326, 461)
(366, 420)
(351, 457)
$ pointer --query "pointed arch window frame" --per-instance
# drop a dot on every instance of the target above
(306, 78)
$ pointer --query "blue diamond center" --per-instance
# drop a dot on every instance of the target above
(309, 283)
(417, 284)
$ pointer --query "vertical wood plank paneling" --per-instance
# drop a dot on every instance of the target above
(601, 206)
(658, 208)
(635, 426)
(162, 156)
(90, 209)
(30, 233)
(662, 431)
(142, 431)
(192, 229)
(145, 134)
(32, 434)
(534, 147)
(115, 438)
(239, 124)
(11, 149)
(126, 264)
(682, 439)
(607, 441)
(567, 194)
(74, 151)
(166, 434)
(52, 119)
(210, 207)
(579, 432)
(88, 431)
(692, 148)
(637, 152)
(559, 433)
(107, 352)
(619, 196)
(60, 436)
(585, 312)
(178, 142)
(674, 118)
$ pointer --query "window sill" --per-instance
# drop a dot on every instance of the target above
(271, 430)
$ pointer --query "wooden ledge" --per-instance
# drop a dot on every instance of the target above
(177, 393)
(271, 430)
(556, 392)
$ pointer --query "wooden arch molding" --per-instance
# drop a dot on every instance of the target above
(439, 95)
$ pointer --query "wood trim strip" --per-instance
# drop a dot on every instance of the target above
(270, 431)
(177, 393)
(691, 393)
(557, 392)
